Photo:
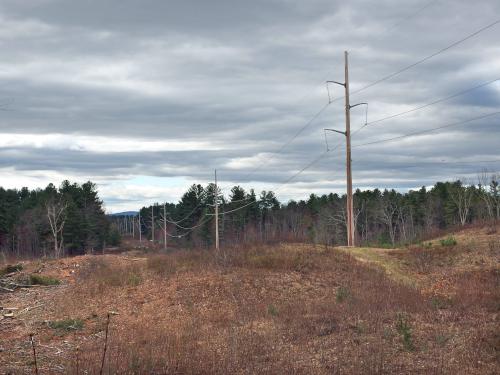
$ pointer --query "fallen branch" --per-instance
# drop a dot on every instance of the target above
(5, 282)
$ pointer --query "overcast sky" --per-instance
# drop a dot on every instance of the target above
(147, 97)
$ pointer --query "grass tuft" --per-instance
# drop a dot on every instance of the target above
(272, 310)
(404, 329)
(43, 280)
(66, 325)
(449, 241)
(342, 294)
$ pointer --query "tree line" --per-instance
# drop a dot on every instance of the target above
(52, 221)
(382, 217)
(71, 219)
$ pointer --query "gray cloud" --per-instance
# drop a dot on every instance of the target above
(244, 76)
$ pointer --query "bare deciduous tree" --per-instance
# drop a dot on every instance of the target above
(388, 215)
(337, 215)
(462, 194)
(56, 214)
(489, 193)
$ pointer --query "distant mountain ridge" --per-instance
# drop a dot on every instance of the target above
(125, 213)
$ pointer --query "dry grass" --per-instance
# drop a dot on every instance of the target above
(282, 309)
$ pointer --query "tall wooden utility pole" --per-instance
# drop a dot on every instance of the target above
(133, 227)
(216, 199)
(152, 224)
(350, 209)
(216, 202)
(165, 226)
(140, 228)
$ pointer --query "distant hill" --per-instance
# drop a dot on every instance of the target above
(125, 213)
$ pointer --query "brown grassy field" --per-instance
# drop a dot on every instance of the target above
(287, 309)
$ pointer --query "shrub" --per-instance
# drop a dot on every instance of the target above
(342, 294)
(440, 303)
(66, 324)
(272, 310)
(404, 329)
(450, 241)
(43, 280)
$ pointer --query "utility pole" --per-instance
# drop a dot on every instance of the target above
(165, 226)
(140, 228)
(216, 195)
(350, 207)
(133, 227)
(152, 224)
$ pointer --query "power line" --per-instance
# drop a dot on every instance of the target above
(405, 18)
(425, 105)
(188, 215)
(189, 230)
(418, 11)
(385, 78)
(278, 187)
(408, 67)
(426, 163)
(290, 140)
(309, 165)
(237, 209)
(428, 130)
(418, 63)
(317, 114)
(319, 157)
(238, 200)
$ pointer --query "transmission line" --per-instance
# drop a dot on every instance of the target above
(190, 229)
(417, 12)
(427, 162)
(425, 105)
(398, 23)
(428, 130)
(385, 78)
(281, 185)
(442, 50)
(320, 156)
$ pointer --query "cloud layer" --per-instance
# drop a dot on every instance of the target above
(147, 97)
